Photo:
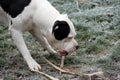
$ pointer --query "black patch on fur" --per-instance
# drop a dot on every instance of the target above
(61, 30)
(14, 7)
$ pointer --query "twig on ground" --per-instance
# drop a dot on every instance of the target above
(99, 74)
(62, 63)
(84, 2)
(62, 70)
(50, 77)
(95, 73)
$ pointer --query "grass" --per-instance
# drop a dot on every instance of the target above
(98, 34)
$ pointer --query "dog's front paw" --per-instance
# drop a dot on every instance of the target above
(33, 65)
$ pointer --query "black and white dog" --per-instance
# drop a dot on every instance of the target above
(53, 30)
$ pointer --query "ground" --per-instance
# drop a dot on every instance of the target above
(97, 23)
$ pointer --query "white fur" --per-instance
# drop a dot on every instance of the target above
(38, 18)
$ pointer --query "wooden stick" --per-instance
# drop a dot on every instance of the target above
(50, 77)
(99, 74)
(62, 63)
(62, 70)
(95, 73)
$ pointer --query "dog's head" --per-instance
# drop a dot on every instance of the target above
(63, 36)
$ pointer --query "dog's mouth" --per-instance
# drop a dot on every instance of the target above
(63, 53)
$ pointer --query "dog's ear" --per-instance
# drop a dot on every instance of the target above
(61, 30)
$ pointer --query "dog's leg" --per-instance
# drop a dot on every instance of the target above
(19, 41)
(43, 41)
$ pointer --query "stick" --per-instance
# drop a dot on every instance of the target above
(50, 77)
(99, 74)
(62, 63)
(95, 73)
(62, 70)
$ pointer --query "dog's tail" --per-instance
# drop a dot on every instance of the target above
(5, 19)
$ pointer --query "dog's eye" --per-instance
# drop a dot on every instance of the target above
(68, 39)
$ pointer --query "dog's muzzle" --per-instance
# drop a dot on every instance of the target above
(65, 53)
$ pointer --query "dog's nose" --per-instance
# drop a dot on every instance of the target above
(77, 47)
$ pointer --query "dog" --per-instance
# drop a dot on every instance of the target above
(54, 31)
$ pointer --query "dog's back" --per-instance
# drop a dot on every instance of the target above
(11, 8)
(14, 7)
